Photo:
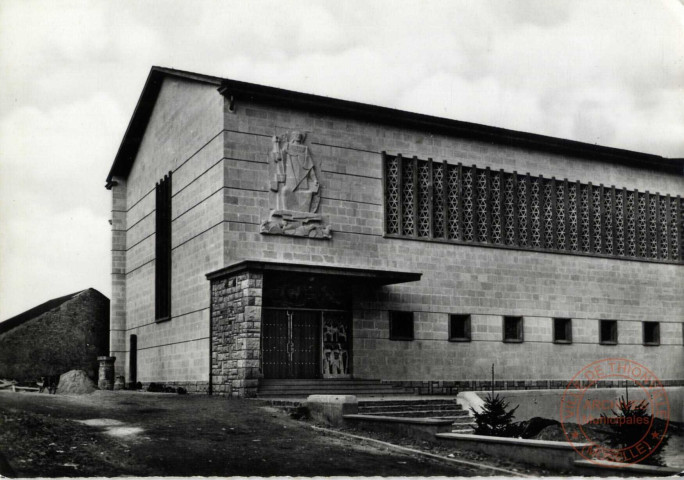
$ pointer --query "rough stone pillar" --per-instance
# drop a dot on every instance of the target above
(236, 334)
(106, 374)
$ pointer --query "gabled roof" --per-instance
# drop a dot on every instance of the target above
(35, 312)
(383, 115)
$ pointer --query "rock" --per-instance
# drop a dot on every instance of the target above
(75, 381)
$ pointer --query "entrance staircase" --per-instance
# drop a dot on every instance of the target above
(302, 388)
(443, 409)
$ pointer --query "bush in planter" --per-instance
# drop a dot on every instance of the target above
(633, 422)
(495, 419)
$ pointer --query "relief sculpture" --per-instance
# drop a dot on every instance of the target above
(294, 190)
(335, 346)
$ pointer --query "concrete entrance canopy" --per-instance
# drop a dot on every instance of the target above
(237, 300)
(376, 277)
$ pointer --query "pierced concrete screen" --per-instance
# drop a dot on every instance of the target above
(439, 201)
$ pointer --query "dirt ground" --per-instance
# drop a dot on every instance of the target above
(144, 434)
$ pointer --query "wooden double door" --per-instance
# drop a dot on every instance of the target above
(303, 343)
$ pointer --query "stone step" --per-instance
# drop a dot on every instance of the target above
(410, 406)
(306, 392)
(329, 386)
(408, 401)
(456, 414)
(316, 381)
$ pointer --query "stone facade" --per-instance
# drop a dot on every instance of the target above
(63, 334)
(235, 334)
(219, 152)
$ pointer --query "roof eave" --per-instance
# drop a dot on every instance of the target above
(388, 116)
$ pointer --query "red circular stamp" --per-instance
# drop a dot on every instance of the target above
(623, 427)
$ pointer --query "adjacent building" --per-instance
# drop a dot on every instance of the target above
(260, 233)
(62, 334)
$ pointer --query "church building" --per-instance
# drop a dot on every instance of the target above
(262, 236)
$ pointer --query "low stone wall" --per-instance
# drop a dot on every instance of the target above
(547, 403)
(420, 428)
(445, 387)
(556, 455)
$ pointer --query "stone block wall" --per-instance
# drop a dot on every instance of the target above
(220, 186)
(486, 283)
(236, 334)
(183, 136)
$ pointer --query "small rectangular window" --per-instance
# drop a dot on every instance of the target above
(651, 333)
(459, 328)
(608, 334)
(562, 330)
(513, 329)
(162, 262)
(401, 325)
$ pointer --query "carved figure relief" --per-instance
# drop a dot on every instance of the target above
(294, 190)
(335, 345)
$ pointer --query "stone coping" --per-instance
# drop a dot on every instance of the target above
(512, 441)
(409, 420)
(635, 468)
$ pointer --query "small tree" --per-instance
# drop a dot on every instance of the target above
(632, 424)
(495, 419)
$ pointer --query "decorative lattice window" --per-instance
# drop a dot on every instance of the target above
(438, 203)
(560, 215)
(535, 214)
(468, 207)
(664, 215)
(523, 211)
(675, 227)
(393, 196)
(424, 200)
(596, 209)
(453, 189)
(482, 206)
(453, 203)
(642, 215)
(495, 202)
(408, 195)
(630, 232)
(509, 210)
(573, 231)
(585, 222)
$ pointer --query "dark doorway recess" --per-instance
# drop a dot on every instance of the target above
(133, 359)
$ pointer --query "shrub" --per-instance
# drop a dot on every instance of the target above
(633, 423)
(495, 419)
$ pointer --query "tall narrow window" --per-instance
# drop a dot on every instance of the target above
(562, 330)
(513, 329)
(608, 334)
(459, 328)
(401, 325)
(162, 293)
(651, 333)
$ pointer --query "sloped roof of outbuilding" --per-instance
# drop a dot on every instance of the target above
(41, 309)
(383, 115)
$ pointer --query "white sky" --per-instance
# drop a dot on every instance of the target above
(606, 72)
